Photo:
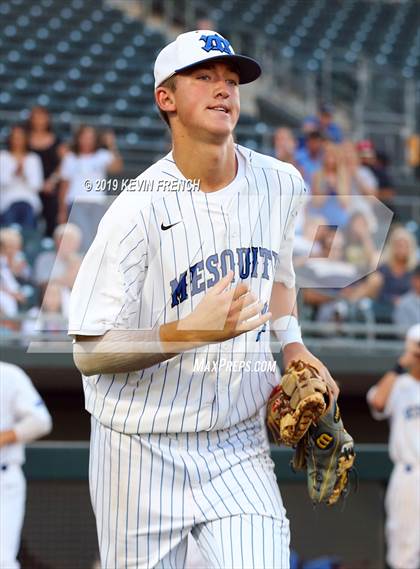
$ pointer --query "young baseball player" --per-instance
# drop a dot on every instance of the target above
(170, 315)
(23, 418)
(397, 397)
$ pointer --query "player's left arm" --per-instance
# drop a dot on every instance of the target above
(285, 326)
(284, 320)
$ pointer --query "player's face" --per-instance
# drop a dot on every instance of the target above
(207, 98)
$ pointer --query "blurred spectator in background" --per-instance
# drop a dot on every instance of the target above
(359, 246)
(285, 145)
(377, 163)
(407, 311)
(413, 153)
(386, 188)
(391, 281)
(62, 264)
(307, 243)
(12, 248)
(331, 189)
(309, 124)
(309, 158)
(46, 144)
(330, 129)
(20, 181)
(325, 275)
(52, 315)
(363, 185)
(81, 173)
(23, 418)
(11, 294)
(204, 22)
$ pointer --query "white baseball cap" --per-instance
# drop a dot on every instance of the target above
(198, 46)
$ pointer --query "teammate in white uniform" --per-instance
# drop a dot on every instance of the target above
(23, 418)
(397, 397)
(170, 317)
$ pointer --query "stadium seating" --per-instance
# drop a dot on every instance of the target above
(384, 31)
(88, 63)
(92, 63)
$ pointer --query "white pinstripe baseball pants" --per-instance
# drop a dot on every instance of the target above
(150, 491)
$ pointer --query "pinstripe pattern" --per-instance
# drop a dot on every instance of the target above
(155, 489)
(257, 214)
(244, 541)
(176, 451)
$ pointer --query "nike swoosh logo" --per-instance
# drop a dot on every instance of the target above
(165, 227)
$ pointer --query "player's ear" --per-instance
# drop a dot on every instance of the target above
(165, 99)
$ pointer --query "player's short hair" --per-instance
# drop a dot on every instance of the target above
(170, 84)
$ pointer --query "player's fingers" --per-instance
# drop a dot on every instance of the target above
(332, 385)
(249, 325)
(242, 302)
(224, 282)
(250, 311)
(240, 289)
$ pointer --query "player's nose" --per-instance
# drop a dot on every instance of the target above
(220, 89)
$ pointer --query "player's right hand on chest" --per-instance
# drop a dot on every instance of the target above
(224, 313)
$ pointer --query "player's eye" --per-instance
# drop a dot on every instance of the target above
(203, 76)
(233, 82)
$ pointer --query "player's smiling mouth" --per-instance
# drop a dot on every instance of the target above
(219, 108)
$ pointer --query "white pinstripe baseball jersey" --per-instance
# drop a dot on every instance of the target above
(155, 255)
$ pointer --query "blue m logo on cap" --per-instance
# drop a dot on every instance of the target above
(216, 43)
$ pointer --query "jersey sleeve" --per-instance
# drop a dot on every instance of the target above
(32, 419)
(110, 279)
(285, 272)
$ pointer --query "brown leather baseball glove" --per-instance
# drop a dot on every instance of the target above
(299, 401)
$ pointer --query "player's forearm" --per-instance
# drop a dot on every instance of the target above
(284, 321)
(222, 314)
(7, 437)
(282, 301)
(124, 351)
(382, 391)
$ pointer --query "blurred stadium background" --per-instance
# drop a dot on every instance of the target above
(341, 78)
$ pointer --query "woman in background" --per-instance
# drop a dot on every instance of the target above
(81, 196)
(331, 188)
(20, 181)
(392, 279)
(46, 144)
